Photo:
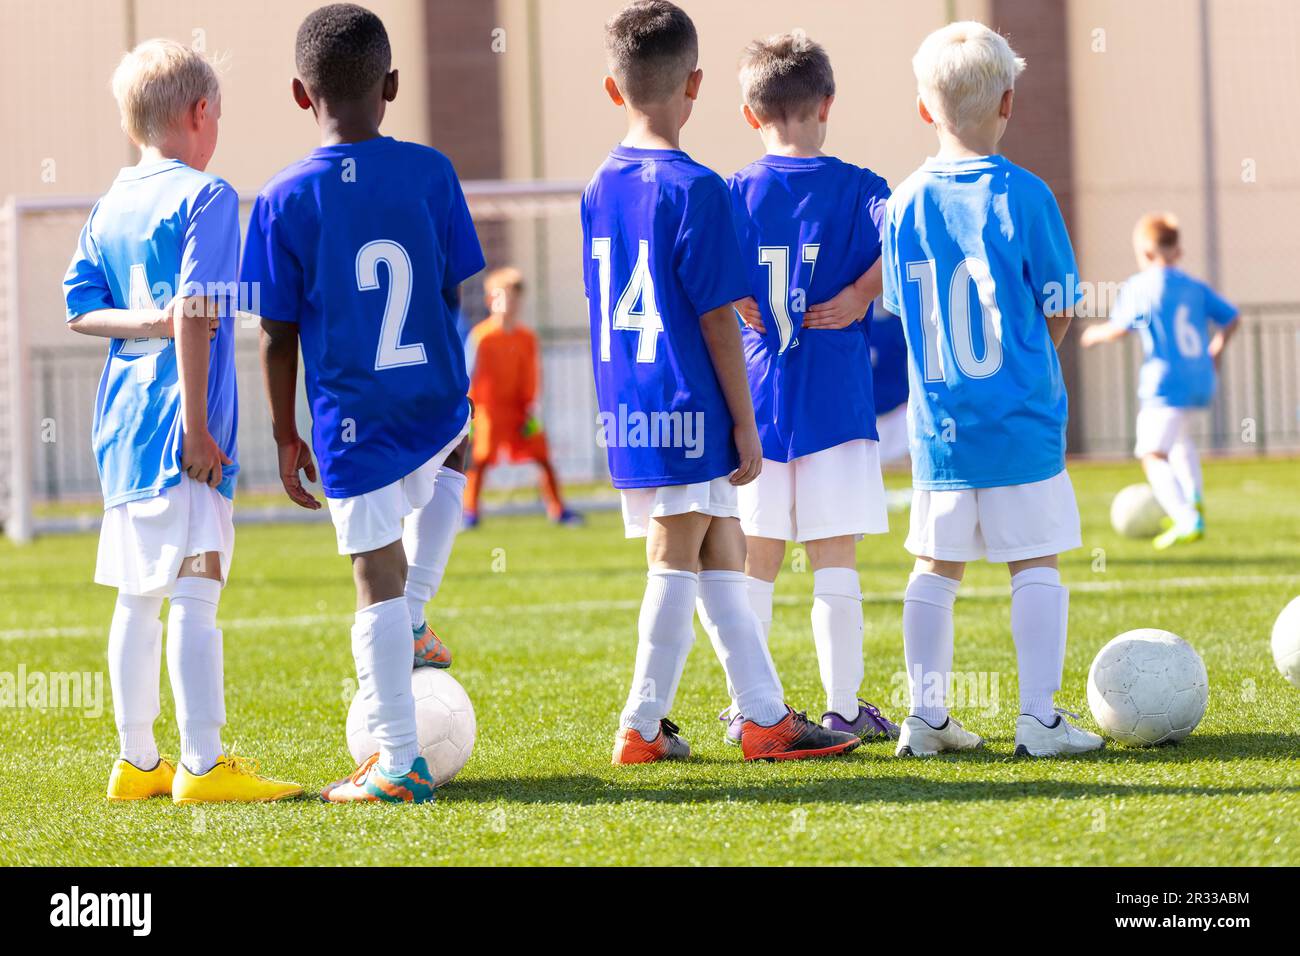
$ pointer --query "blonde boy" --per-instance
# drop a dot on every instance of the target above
(977, 263)
(154, 272)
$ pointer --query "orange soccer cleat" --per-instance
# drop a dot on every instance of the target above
(631, 747)
(794, 737)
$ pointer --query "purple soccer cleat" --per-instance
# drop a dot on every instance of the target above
(733, 727)
(869, 724)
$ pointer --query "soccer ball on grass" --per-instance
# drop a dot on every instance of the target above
(444, 719)
(1148, 687)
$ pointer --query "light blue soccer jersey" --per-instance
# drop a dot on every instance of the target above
(363, 246)
(161, 230)
(1172, 312)
(808, 227)
(975, 252)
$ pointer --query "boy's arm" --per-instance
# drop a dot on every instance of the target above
(849, 305)
(1058, 324)
(279, 345)
(722, 337)
(133, 324)
(201, 456)
(1221, 338)
(1099, 334)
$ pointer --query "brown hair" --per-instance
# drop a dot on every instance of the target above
(651, 48)
(785, 76)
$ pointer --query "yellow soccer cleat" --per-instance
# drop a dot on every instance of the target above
(233, 779)
(129, 782)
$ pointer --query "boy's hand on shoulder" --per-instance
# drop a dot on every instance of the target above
(847, 306)
(202, 457)
(295, 457)
(749, 313)
(750, 448)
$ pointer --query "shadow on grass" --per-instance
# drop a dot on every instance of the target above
(624, 786)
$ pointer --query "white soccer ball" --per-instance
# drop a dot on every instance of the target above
(1148, 687)
(1135, 513)
(1286, 642)
(444, 719)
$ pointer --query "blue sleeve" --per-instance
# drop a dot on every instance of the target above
(210, 253)
(464, 254)
(1126, 310)
(707, 257)
(85, 287)
(891, 293)
(1218, 309)
(875, 196)
(1051, 267)
(270, 274)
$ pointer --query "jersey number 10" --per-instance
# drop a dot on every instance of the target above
(960, 320)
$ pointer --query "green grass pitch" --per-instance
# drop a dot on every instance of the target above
(543, 624)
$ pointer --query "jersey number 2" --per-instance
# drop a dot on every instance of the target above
(391, 352)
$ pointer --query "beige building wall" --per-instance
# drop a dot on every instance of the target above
(1136, 78)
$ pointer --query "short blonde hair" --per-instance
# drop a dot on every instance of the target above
(156, 83)
(1157, 230)
(507, 277)
(962, 71)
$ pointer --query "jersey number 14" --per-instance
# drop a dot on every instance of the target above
(636, 309)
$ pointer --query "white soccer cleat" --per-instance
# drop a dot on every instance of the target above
(1035, 740)
(916, 738)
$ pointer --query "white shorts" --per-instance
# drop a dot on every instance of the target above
(1009, 523)
(142, 543)
(716, 498)
(892, 428)
(834, 492)
(1160, 428)
(374, 520)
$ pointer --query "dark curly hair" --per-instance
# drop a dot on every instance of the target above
(342, 52)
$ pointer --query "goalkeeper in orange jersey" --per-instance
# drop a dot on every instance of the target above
(504, 373)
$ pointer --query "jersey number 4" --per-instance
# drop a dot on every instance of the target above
(391, 352)
(636, 310)
(961, 318)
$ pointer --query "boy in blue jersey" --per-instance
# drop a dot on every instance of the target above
(1174, 313)
(358, 252)
(809, 231)
(978, 265)
(154, 273)
(662, 272)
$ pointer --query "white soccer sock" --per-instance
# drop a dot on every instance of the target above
(665, 636)
(196, 668)
(927, 643)
(427, 537)
(381, 650)
(741, 648)
(1039, 612)
(760, 599)
(1168, 491)
(837, 634)
(134, 656)
(1185, 460)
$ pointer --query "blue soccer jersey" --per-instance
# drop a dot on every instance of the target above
(975, 252)
(660, 251)
(162, 230)
(808, 226)
(363, 246)
(1172, 313)
(888, 361)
